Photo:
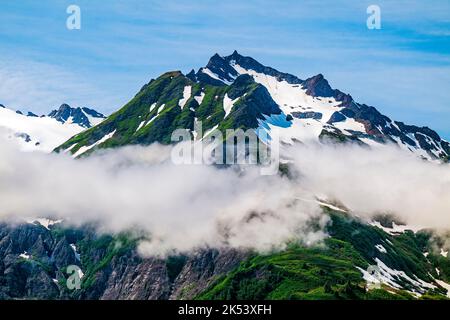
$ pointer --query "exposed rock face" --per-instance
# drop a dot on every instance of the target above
(131, 277)
(307, 115)
(63, 255)
(318, 86)
(25, 271)
(79, 116)
(202, 269)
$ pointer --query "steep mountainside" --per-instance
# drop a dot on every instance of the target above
(44, 133)
(34, 257)
(239, 92)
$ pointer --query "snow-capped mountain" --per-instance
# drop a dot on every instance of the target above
(84, 117)
(44, 133)
(316, 110)
(238, 92)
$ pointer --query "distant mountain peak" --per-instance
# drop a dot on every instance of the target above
(93, 112)
(84, 117)
(221, 70)
(32, 132)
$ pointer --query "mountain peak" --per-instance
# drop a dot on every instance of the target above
(221, 70)
(318, 86)
(218, 71)
(236, 91)
(191, 75)
(84, 117)
(172, 74)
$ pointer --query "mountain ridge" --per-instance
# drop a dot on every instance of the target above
(313, 109)
(44, 133)
(84, 117)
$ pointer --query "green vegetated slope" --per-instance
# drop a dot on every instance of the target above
(329, 271)
(155, 112)
(325, 271)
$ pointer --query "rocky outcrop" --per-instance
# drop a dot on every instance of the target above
(202, 269)
(34, 260)
(78, 116)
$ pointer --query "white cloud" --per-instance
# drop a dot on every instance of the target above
(181, 207)
(186, 207)
(381, 180)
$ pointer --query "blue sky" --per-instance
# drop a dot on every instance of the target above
(402, 69)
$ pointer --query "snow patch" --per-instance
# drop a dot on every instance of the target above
(140, 126)
(444, 285)
(396, 229)
(46, 223)
(74, 248)
(86, 148)
(381, 248)
(161, 108)
(332, 207)
(200, 98)
(214, 76)
(93, 121)
(24, 255)
(228, 104)
(210, 131)
(70, 148)
(349, 125)
(187, 91)
(392, 277)
(292, 97)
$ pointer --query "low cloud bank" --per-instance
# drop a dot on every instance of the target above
(181, 207)
(378, 181)
(185, 207)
